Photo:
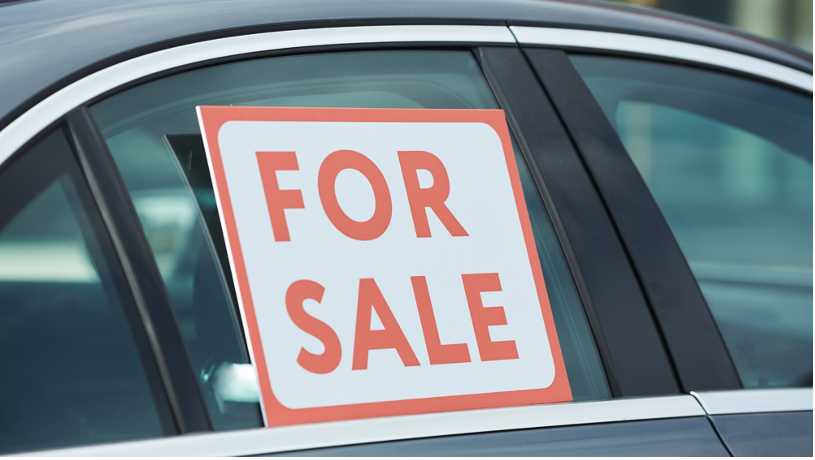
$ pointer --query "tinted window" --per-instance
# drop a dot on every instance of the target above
(75, 364)
(729, 162)
(153, 133)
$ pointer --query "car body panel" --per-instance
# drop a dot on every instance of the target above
(775, 434)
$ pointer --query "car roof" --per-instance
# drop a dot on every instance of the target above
(47, 44)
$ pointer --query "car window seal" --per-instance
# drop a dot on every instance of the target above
(141, 272)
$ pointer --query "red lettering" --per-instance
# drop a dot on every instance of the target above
(438, 353)
(326, 362)
(326, 178)
(432, 197)
(391, 337)
(483, 317)
(278, 200)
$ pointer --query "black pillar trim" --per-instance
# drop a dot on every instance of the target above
(628, 342)
(141, 272)
(697, 349)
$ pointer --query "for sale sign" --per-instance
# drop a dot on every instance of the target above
(384, 261)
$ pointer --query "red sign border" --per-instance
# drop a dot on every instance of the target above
(214, 117)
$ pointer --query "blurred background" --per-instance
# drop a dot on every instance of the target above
(788, 21)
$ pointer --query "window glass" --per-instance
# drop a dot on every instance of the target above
(72, 370)
(729, 162)
(152, 131)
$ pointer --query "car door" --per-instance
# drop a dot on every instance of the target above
(136, 132)
(707, 174)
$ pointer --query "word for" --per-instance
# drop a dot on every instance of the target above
(432, 197)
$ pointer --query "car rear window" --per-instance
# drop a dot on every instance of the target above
(153, 134)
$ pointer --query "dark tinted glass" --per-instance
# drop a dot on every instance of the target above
(75, 364)
(152, 131)
(729, 162)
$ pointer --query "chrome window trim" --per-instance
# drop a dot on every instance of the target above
(281, 439)
(29, 124)
(752, 401)
(589, 39)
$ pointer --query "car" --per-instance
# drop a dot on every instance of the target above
(542, 228)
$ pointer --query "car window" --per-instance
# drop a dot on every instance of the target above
(729, 162)
(153, 133)
(76, 367)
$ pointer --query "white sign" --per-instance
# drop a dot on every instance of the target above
(384, 260)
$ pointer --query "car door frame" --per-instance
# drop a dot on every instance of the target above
(702, 361)
(748, 421)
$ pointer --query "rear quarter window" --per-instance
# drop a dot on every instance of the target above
(729, 162)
